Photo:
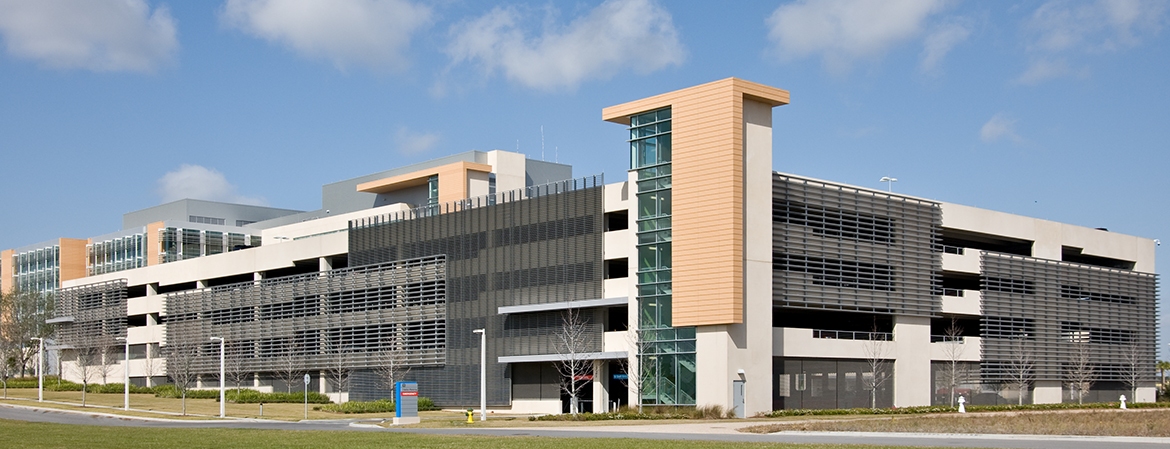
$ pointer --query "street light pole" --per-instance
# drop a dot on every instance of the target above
(126, 374)
(889, 183)
(41, 369)
(222, 400)
(482, 374)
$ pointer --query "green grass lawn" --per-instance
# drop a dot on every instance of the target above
(1137, 423)
(41, 435)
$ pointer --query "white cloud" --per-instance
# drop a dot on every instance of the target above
(367, 33)
(201, 183)
(1059, 29)
(97, 35)
(618, 35)
(843, 31)
(940, 42)
(1042, 70)
(414, 143)
(999, 127)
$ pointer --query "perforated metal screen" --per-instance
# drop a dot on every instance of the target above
(1050, 304)
(534, 246)
(838, 247)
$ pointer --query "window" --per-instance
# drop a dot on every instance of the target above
(205, 220)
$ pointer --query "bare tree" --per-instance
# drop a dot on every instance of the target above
(152, 365)
(392, 364)
(637, 373)
(9, 354)
(181, 358)
(1079, 372)
(290, 366)
(108, 355)
(955, 372)
(24, 319)
(1135, 367)
(573, 343)
(340, 367)
(86, 367)
(235, 365)
(1020, 367)
(877, 360)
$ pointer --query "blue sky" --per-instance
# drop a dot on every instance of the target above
(1049, 109)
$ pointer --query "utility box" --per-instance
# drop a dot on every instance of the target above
(405, 403)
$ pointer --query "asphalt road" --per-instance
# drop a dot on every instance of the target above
(657, 432)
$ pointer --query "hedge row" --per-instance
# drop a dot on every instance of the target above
(378, 406)
(948, 409)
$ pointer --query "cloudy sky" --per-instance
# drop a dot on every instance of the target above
(1053, 109)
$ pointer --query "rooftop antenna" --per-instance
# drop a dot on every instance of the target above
(541, 142)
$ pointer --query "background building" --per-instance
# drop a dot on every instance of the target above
(746, 287)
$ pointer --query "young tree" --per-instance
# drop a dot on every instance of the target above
(152, 365)
(1020, 367)
(1079, 373)
(392, 364)
(877, 360)
(955, 372)
(86, 367)
(235, 364)
(573, 343)
(637, 374)
(9, 353)
(1134, 368)
(340, 367)
(24, 315)
(108, 355)
(290, 367)
(181, 358)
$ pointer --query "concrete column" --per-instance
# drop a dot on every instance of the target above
(202, 283)
(152, 289)
(911, 361)
(324, 264)
(600, 392)
(1047, 392)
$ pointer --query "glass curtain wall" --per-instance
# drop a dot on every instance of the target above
(117, 254)
(38, 270)
(668, 357)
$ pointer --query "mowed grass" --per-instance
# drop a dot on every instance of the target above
(1137, 423)
(42, 435)
(148, 405)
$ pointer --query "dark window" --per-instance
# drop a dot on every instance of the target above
(838, 273)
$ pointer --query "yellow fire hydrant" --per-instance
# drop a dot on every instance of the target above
(469, 420)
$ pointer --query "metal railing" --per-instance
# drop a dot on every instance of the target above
(852, 335)
(951, 292)
(949, 249)
(948, 338)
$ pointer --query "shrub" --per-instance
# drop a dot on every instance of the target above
(948, 409)
(52, 383)
(117, 388)
(247, 396)
(378, 406)
(170, 391)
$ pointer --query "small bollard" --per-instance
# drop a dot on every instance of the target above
(1123, 402)
(962, 402)
(469, 420)
(261, 409)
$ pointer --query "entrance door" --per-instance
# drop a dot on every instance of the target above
(737, 398)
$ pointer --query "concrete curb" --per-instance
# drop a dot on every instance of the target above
(983, 436)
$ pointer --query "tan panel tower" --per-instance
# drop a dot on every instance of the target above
(7, 269)
(71, 259)
(722, 232)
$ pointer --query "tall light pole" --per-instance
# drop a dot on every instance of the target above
(890, 183)
(221, 376)
(41, 369)
(482, 374)
(126, 374)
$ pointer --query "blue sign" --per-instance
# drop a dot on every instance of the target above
(406, 400)
(622, 376)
